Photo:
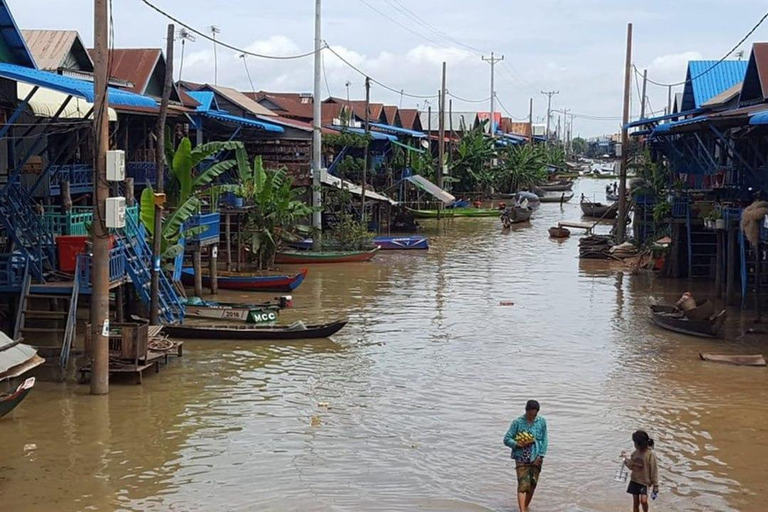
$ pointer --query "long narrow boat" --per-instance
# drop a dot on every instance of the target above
(384, 243)
(515, 215)
(672, 319)
(308, 257)
(563, 186)
(599, 210)
(255, 282)
(265, 312)
(455, 212)
(556, 197)
(9, 401)
(296, 331)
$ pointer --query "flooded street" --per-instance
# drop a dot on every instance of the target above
(420, 389)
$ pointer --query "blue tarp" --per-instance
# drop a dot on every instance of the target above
(398, 130)
(667, 127)
(220, 115)
(205, 100)
(665, 117)
(759, 118)
(73, 86)
(360, 131)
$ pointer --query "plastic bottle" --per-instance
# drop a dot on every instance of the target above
(622, 473)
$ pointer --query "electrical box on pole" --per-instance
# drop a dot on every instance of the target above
(116, 165)
(115, 212)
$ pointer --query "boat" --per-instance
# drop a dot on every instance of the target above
(558, 232)
(245, 281)
(265, 312)
(556, 197)
(295, 331)
(384, 243)
(673, 319)
(747, 360)
(562, 186)
(611, 198)
(599, 210)
(305, 257)
(8, 402)
(516, 215)
(455, 212)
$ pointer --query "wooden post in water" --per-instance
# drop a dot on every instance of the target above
(621, 222)
(719, 265)
(228, 242)
(758, 263)
(730, 272)
(213, 268)
(198, 269)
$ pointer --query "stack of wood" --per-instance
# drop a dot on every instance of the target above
(596, 247)
(624, 251)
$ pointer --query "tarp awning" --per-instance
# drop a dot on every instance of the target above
(253, 123)
(427, 186)
(406, 146)
(360, 131)
(668, 127)
(72, 86)
(333, 181)
(46, 102)
(759, 119)
(397, 130)
(658, 119)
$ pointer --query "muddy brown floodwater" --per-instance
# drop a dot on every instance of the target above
(420, 389)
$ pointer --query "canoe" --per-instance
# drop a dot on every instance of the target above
(557, 187)
(557, 232)
(8, 402)
(611, 198)
(672, 319)
(306, 257)
(258, 282)
(754, 360)
(455, 212)
(384, 243)
(515, 215)
(296, 331)
(556, 197)
(265, 312)
(599, 210)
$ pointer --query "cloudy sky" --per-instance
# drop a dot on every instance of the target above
(574, 46)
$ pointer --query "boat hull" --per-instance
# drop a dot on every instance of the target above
(10, 401)
(554, 197)
(309, 257)
(249, 315)
(249, 282)
(599, 210)
(455, 212)
(676, 322)
(557, 188)
(384, 243)
(254, 333)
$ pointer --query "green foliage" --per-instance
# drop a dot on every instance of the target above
(471, 164)
(552, 155)
(173, 226)
(347, 139)
(524, 167)
(184, 162)
(348, 234)
(579, 145)
(351, 166)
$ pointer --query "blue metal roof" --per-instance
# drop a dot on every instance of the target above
(665, 117)
(360, 131)
(667, 127)
(204, 98)
(220, 115)
(73, 86)
(398, 130)
(759, 118)
(11, 36)
(704, 82)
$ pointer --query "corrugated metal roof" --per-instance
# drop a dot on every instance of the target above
(755, 88)
(241, 100)
(10, 34)
(724, 97)
(229, 118)
(291, 104)
(398, 130)
(134, 65)
(455, 119)
(206, 100)
(408, 117)
(708, 78)
(390, 113)
(71, 86)
(55, 49)
(13, 354)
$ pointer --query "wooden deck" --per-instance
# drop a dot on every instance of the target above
(586, 226)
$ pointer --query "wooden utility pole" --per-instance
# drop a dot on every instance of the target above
(549, 95)
(492, 61)
(367, 145)
(642, 101)
(441, 135)
(622, 220)
(450, 128)
(154, 303)
(530, 120)
(100, 235)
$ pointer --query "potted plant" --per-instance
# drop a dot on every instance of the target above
(718, 218)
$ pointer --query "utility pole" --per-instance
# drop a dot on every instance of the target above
(530, 120)
(317, 134)
(669, 99)
(154, 302)
(492, 61)
(642, 101)
(441, 135)
(549, 95)
(100, 235)
(621, 226)
(564, 136)
(215, 30)
(367, 145)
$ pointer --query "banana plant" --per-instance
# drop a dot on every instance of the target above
(173, 226)
(184, 164)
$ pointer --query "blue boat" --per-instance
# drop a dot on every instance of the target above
(385, 243)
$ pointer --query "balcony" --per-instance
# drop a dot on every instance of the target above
(212, 221)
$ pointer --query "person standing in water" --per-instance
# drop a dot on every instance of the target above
(528, 455)
(645, 473)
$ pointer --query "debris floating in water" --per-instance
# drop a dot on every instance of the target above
(506, 303)
(324, 405)
(316, 421)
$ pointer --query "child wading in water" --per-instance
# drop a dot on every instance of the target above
(644, 474)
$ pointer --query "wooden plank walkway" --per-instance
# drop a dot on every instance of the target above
(577, 225)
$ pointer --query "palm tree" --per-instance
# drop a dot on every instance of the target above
(524, 168)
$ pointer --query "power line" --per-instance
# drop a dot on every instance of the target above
(396, 22)
(449, 93)
(504, 108)
(713, 66)
(226, 45)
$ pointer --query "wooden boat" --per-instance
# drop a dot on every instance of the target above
(704, 309)
(265, 312)
(558, 232)
(305, 257)
(8, 402)
(599, 210)
(562, 186)
(748, 360)
(556, 197)
(611, 198)
(515, 215)
(255, 282)
(384, 243)
(296, 331)
(672, 319)
(455, 212)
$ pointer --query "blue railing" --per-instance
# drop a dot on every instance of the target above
(680, 208)
(79, 176)
(12, 270)
(212, 221)
(116, 265)
(141, 172)
(731, 214)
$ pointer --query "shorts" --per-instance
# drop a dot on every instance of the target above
(637, 489)
(527, 477)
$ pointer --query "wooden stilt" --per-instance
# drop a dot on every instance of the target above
(239, 242)
(228, 241)
(758, 264)
(198, 268)
(213, 263)
(119, 304)
(719, 266)
(730, 266)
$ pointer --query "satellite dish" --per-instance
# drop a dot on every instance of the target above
(425, 144)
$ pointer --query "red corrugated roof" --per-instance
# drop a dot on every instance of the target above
(134, 65)
(390, 113)
(292, 104)
(409, 117)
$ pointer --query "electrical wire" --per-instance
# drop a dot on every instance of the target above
(401, 25)
(713, 66)
(504, 108)
(325, 76)
(222, 43)
(465, 100)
